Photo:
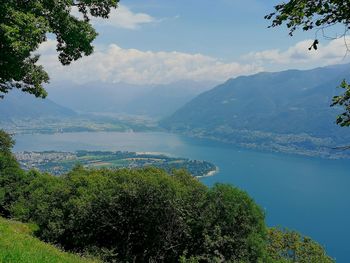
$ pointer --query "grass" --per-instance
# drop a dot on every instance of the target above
(18, 245)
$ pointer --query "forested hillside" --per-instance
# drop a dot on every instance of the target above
(268, 110)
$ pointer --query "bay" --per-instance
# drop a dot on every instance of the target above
(307, 194)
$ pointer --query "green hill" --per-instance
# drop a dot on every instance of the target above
(18, 245)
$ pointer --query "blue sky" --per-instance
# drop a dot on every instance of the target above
(221, 28)
(163, 41)
(224, 28)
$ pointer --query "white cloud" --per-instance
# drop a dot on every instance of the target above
(299, 55)
(122, 17)
(115, 64)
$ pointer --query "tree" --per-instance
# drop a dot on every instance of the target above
(289, 246)
(12, 178)
(317, 15)
(343, 100)
(24, 25)
(311, 14)
(6, 142)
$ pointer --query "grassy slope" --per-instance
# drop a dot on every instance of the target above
(17, 245)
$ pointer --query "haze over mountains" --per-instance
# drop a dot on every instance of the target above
(18, 105)
(284, 111)
(66, 99)
(152, 101)
(95, 107)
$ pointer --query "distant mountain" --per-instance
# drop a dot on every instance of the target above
(94, 96)
(154, 101)
(268, 110)
(164, 100)
(19, 105)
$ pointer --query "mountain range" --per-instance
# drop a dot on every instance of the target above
(268, 110)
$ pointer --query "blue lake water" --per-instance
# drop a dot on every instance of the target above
(311, 195)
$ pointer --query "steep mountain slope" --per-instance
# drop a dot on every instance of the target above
(18, 105)
(250, 109)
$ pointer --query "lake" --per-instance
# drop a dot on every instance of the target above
(307, 194)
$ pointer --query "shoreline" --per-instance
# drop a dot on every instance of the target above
(210, 173)
(57, 162)
(273, 148)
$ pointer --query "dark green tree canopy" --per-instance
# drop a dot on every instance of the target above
(6, 142)
(318, 15)
(24, 25)
(311, 14)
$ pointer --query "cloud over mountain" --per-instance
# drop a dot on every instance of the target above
(116, 64)
(113, 63)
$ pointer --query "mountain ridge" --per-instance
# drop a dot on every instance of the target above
(255, 109)
(18, 105)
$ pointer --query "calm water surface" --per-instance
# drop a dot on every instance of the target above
(310, 195)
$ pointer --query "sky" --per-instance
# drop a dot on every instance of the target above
(163, 41)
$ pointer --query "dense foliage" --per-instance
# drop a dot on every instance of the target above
(317, 15)
(144, 215)
(344, 101)
(12, 178)
(290, 246)
(25, 24)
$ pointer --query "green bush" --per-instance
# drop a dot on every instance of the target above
(145, 215)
